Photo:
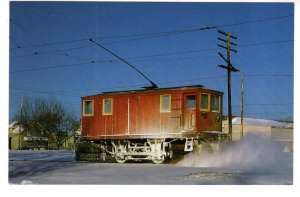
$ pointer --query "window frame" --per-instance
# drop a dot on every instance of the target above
(192, 108)
(208, 103)
(111, 107)
(219, 102)
(83, 108)
(170, 99)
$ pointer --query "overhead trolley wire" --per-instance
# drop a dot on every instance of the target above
(28, 31)
(45, 43)
(265, 104)
(156, 34)
(255, 21)
(147, 56)
(62, 92)
(67, 92)
(259, 75)
(18, 46)
(164, 34)
(15, 42)
(266, 43)
(149, 35)
(259, 113)
(192, 51)
(51, 43)
(60, 66)
(51, 51)
(43, 92)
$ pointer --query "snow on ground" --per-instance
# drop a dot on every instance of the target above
(254, 160)
(254, 155)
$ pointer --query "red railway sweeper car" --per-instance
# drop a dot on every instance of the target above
(148, 124)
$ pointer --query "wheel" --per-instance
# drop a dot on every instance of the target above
(118, 151)
(120, 160)
(158, 160)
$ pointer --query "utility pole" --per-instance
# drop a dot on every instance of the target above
(242, 109)
(20, 123)
(229, 69)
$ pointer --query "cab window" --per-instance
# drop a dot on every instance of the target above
(165, 103)
(191, 102)
(215, 103)
(204, 102)
(88, 108)
(107, 108)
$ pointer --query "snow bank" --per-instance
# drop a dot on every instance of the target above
(259, 122)
(25, 182)
(12, 124)
(254, 153)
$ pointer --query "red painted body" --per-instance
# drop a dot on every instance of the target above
(137, 114)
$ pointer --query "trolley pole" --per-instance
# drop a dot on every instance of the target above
(20, 123)
(242, 109)
(229, 69)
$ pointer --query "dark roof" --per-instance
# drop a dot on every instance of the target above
(156, 89)
(149, 90)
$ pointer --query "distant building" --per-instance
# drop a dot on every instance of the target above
(19, 139)
(281, 132)
(13, 135)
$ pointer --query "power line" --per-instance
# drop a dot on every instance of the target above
(64, 92)
(255, 21)
(157, 55)
(52, 43)
(28, 31)
(61, 66)
(43, 92)
(51, 51)
(265, 75)
(266, 43)
(15, 42)
(258, 113)
(122, 87)
(265, 104)
(147, 56)
(156, 34)
(165, 54)
(104, 61)
(117, 87)
(43, 41)
(18, 46)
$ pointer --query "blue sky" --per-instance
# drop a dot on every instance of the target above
(59, 32)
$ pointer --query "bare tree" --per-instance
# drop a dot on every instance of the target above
(47, 118)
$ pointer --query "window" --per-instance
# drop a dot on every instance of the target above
(215, 103)
(88, 108)
(107, 108)
(165, 103)
(191, 102)
(204, 102)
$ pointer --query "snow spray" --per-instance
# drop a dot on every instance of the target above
(255, 153)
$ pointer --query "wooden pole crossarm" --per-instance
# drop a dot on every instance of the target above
(222, 56)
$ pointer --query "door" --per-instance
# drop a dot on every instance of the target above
(189, 112)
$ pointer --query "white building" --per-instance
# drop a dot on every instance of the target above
(281, 132)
